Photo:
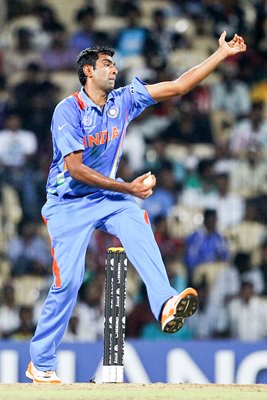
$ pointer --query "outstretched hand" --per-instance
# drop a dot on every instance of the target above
(235, 46)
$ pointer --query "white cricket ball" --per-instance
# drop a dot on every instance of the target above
(148, 181)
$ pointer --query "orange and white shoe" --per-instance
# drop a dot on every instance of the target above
(177, 308)
(41, 376)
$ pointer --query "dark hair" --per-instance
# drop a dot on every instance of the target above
(89, 56)
(84, 12)
(159, 13)
(209, 213)
(242, 260)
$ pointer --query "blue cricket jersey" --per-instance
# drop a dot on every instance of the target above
(79, 124)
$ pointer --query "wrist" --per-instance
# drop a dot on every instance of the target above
(222, 53)
(127, 187)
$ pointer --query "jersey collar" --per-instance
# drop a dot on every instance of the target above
(90, 103)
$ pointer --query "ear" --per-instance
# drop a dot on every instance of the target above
(87, 70)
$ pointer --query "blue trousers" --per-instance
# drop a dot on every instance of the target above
(70, 224)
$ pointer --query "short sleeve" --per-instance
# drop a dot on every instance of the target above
(140, 98)
(66, 128)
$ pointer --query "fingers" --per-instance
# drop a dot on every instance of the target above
(238, 39)
(223, 35)
(148, 179)
(237, 44)
(142, 186)
(222, 38)
(149, 193)
(144, 176)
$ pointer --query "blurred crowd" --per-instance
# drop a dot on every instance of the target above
(208, 150)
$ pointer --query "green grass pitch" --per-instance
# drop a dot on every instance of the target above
(160, 391)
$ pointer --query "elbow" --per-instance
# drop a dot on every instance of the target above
(184, 89)
(183, 92)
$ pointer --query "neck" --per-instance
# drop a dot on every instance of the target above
(99, 97)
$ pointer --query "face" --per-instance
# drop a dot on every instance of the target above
(104, 74)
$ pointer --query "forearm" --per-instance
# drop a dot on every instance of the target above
(191, 78)
(188, 80)
(89, 176)
(140, 187)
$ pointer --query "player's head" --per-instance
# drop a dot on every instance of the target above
(92, 57)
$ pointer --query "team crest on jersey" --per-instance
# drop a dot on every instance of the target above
(87, 120)
(113, 112)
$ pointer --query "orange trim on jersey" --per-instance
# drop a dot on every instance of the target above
(55, 267)
(81, 103)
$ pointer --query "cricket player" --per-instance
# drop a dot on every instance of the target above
(83, 194)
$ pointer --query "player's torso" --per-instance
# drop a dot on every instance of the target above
(103, 132)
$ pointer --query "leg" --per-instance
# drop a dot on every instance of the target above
(132, 227)
(70, 232)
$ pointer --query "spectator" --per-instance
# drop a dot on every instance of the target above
(24, 91)
(86, 36)
(59, 56)
(230, 95)
(26, 327)
(139, 316)
(163, 197)
(227, 286)
(249, 233)
(249, 174)
(48, 19)
(120, 7)
(227, 15)
(89, 311)
(10, 212)
(260, 27)
(186, 127)
(21, 54)
(16, 144)
(201, 323)
(263, 266)
(131, 40)
(199, 186)
(169, 246)
(247, 307)
(176, 271)
(72, 334)
(9, 311)
(206, 244)
(161, 40)
(42, 102)
(142, 140)
(29, 252)
(250, 131)
(4, 100)
(230, 206)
